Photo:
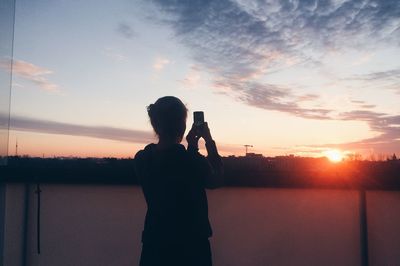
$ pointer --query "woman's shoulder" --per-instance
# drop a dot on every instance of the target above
(146, 151)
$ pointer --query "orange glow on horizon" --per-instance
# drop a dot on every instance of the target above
(57, 145)
(334, 156)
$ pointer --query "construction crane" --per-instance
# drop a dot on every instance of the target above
(247, 146)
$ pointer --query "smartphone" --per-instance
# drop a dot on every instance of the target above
(198, 118)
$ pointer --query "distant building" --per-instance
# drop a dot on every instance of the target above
(254, 155)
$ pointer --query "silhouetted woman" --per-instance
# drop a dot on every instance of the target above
(173, 180)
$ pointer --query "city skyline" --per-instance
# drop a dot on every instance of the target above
(304, 78)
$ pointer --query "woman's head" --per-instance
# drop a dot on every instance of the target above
(168, 118)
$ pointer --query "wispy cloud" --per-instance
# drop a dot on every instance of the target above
(22, 123)
(368, 106)
(240, 41)
(392, 75)
(126, 30)
(387, 127)
(389, 79)
(387, 142)
(363, 104)
(357, 101)
(272, 97)
(307, 97)
(33, 73)
(160, 63)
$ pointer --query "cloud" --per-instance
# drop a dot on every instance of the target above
(358, 101)
(363, 104)
(238, 42)
(22, 123)
(272, 97)
(32, 73)
(387, 142)
(307, 97)
(387, 126)
(125, 30)
(247, 33)
(160, 63)
(368, 106)
(391, 75)
(389, 79)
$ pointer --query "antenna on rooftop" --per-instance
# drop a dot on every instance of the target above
(247, 146)
(16, 148)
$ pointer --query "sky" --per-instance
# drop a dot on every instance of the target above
(287, 77)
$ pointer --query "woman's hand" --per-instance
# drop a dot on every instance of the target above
(205, 132)
(193, 137)
(197, 132)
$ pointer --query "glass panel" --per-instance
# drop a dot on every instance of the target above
(7, 11)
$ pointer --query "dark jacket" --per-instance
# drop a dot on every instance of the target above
(173, 182)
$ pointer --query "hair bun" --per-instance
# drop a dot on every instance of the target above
(152, 110)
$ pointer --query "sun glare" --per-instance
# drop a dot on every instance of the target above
(334, 155)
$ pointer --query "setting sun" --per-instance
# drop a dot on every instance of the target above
(334, 155)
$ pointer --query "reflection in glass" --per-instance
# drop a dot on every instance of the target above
(7, 12)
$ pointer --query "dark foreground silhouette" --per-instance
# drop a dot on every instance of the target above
(173, 180)
(279, 172)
